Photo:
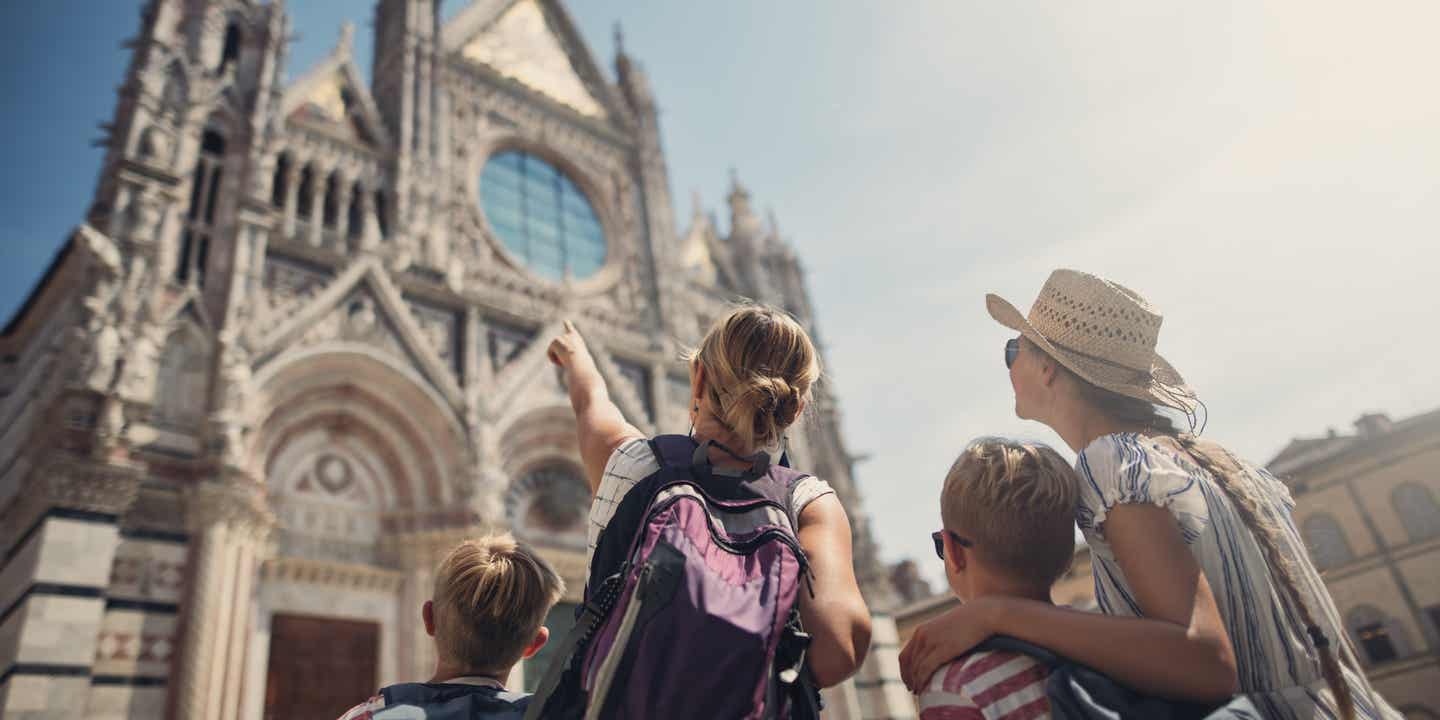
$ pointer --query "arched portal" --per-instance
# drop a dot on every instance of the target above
(358, 456)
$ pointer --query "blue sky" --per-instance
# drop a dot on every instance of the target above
(1267, 173)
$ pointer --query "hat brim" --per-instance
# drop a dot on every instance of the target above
(1163, 385)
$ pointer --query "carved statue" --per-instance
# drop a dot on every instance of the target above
(234, 379)
(104, 341)
(144, 216)
(141, 367)
(155, 145)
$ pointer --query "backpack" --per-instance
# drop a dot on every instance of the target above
(692, 601)
(450, 701)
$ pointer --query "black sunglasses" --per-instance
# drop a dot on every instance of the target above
(939, 538)
(1012, 351)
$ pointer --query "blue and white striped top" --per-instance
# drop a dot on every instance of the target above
(1279, 673)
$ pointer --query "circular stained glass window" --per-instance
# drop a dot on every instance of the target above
(541, 216)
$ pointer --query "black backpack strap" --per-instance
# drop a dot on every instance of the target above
(565, 656)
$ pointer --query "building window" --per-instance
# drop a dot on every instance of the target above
(382, 218)
(1418, 511)
(541, 216)
(200, 218)
(330, 211)
(278, 188)
(231, 51)
(305, 194)
(1328, 546)
(548, 505)
(1379, 637)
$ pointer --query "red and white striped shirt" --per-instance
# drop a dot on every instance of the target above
(987, 686)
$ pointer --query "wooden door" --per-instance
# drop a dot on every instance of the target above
(319, 667)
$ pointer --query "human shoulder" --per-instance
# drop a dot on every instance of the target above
(365, 710)
(944, 697)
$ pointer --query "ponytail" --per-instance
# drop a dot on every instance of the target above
(1244, 497)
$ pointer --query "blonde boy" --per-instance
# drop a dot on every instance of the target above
(1008, 511)
(487, 613)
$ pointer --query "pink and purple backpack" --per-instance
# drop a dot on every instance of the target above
(692, 602)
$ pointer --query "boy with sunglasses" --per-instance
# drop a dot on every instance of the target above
(1008, 510)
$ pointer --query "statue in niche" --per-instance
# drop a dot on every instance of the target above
(140, 367)
(99, 365)
(155, 145)
(144, 215)
(360, 317)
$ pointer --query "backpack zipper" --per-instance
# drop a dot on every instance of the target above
(740, 548)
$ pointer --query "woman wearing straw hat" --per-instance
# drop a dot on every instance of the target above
(1205, 586)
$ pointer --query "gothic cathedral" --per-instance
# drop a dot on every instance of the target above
(296, 350)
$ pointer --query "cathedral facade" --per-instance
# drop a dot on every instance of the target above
(296, 351)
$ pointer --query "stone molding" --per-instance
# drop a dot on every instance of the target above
(73, 484)
(228, 503)
(332, 574)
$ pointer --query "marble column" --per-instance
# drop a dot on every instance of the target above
(58, 541)
(292, 197)
(343, 198)
(229, 525)
(318, 179)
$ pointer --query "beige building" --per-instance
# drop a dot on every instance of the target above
(1368, 506)
(296, 350)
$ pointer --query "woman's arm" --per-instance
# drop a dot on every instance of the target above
(836, 616)
(1179, 648)
(599, 423)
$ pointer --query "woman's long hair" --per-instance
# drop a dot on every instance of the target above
(1244, 495)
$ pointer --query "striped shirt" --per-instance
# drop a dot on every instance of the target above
(987, 685)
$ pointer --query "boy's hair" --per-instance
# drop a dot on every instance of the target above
(491, 596)
(1016, 502)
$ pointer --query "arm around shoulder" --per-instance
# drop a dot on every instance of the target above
(836, 616)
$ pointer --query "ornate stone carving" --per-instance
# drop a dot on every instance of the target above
(103, 340)
(155, 145)
(141, 366)
(439, 326)
(69, 482)
(290, 284)
(230, 504)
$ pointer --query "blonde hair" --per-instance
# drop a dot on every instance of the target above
(1016, 502)
(491, 596)
(759, 366)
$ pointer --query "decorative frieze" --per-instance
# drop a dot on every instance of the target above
(334, 575)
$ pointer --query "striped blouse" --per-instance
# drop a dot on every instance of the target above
(1279, 673)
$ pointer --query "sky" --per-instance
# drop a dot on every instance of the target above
(1266, 173)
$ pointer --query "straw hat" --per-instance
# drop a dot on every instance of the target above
(1103, 332)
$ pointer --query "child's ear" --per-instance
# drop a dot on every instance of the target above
(427, 613)
(956, 559)
(541, 637)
